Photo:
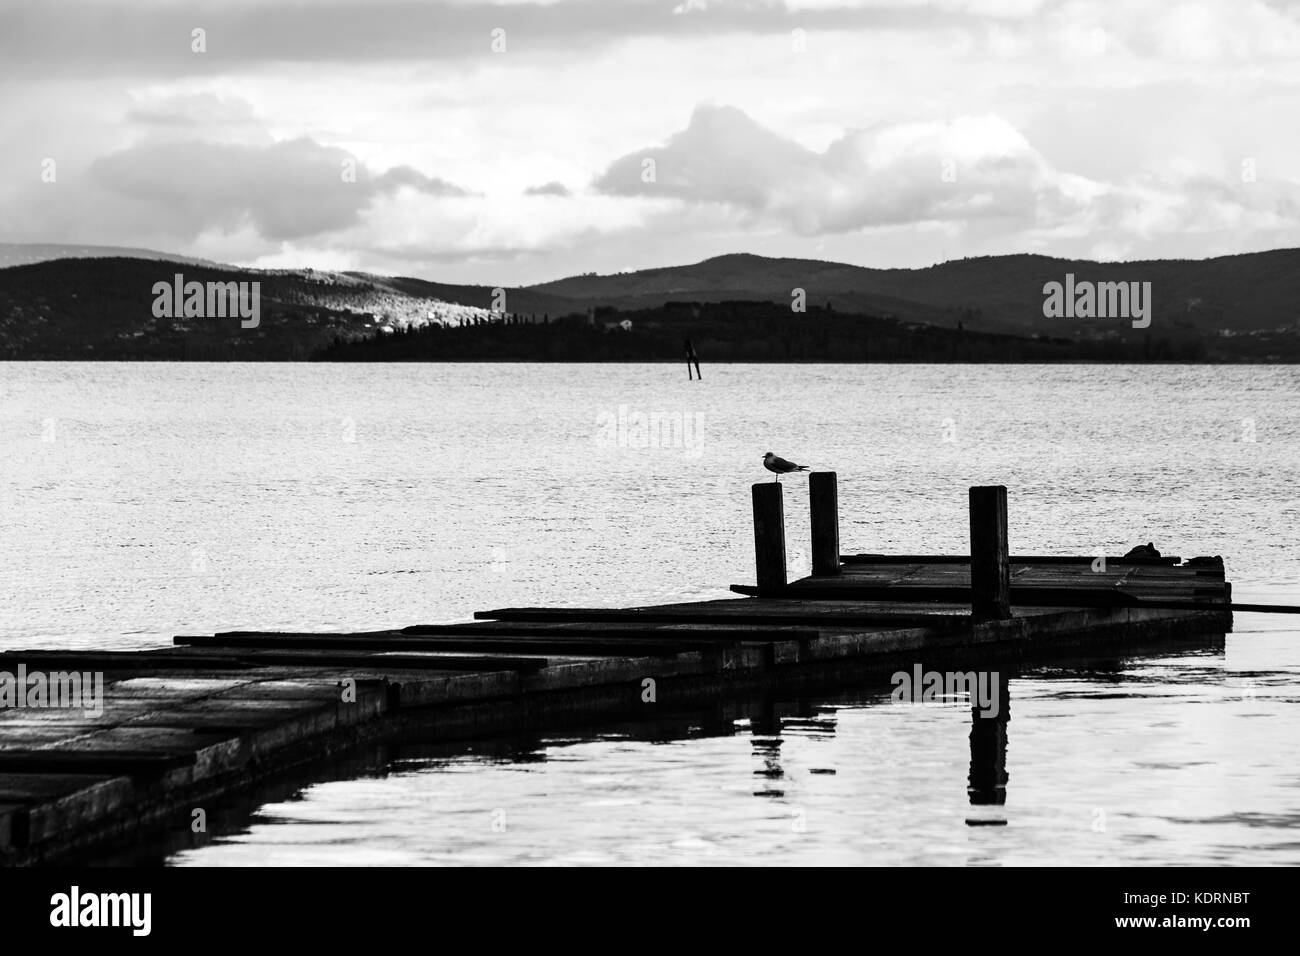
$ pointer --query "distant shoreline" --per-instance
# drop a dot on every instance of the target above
(982, 312)
(704, 363)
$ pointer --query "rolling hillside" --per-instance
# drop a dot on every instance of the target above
(1235, 308)
(1234, 293)
(28, 253)
(104, 308)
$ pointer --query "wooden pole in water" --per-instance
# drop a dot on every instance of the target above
(990, 557)
(824, 507)
(769, 536)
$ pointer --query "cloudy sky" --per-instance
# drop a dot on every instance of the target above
(514, 142)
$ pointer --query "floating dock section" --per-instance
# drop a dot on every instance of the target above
(215, 713)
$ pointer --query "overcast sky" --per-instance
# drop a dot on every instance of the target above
(877, 132)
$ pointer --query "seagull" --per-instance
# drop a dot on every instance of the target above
(780, 466)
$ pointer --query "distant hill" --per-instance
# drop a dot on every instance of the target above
(1233, 308)
(1239, 293)
(104, 308)
(27, 253)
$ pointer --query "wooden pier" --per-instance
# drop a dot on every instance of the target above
(187, 724)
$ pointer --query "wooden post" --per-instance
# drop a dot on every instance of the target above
(769, 536)
(990, 561)
(824, 506)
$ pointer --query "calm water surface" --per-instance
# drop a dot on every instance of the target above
(139, 501)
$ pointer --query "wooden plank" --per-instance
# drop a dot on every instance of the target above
(868, 558)
(193, 754)
(532, 645)
(960, 590)
(1080, 576)
(924, 594)
(760, 612)
(12, 729)
(635, 634)
(958, 569)
(229, 721)
(1030, 597)
(356, 634)
(290, 691)
(428, 660)
(488, 631)
(69, 760)
(51, 660)
(1020, 576)
(677, 628)
(188, 686)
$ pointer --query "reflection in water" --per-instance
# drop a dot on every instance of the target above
(831, 779)
(771, 721)
(765, 726)
(987, 782)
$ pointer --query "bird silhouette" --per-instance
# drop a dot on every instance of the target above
(780, 466)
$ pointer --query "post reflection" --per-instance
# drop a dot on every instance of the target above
(987, 782)
(765, 729)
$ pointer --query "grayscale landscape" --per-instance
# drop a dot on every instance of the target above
(355, 510)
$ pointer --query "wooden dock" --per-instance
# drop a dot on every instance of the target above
(187, 724)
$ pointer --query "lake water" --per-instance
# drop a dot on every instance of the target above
(139, 501)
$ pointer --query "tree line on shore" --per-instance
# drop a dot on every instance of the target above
(745, 331)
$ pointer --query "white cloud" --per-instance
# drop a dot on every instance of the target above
(285, 190)
(1072, 125)
(969, 168)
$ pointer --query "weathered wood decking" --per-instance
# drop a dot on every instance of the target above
(183, 724)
